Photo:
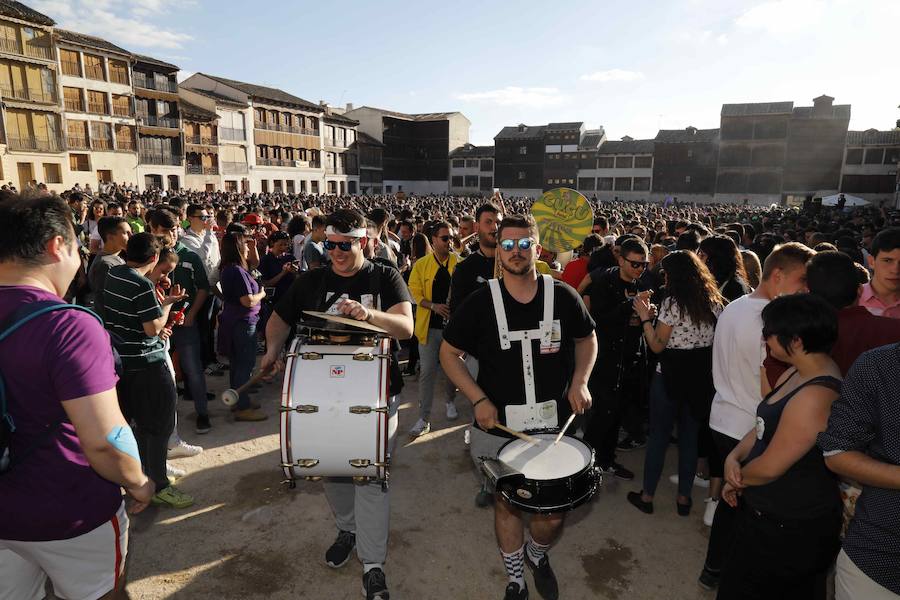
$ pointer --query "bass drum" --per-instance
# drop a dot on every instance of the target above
(334, 408)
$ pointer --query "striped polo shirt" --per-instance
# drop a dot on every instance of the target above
(130, 301)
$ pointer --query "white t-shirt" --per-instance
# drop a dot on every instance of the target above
(738, 354)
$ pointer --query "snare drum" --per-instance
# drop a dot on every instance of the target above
(545, 477)
(334, 407)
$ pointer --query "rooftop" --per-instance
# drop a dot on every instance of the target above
(757, 108)
(17, 10)
(338, 118)
(873, 137)
(565, 126)
(89, 41)
(686, 135)
(521, 132)
(141, 58)
(839, 111)
(470, 151)
(367, 139)
(192, 112)
(438, 116)
(219, 98)
(592, 140)
(627, 147)
(267, 93)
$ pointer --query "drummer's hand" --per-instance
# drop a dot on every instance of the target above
(579, 398)
(272, 362)
(354, 310)
(486, 415)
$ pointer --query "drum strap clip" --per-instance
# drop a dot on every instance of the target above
(300, 408)
(364, 410)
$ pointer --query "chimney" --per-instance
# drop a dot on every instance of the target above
(627, 138)
(349, 106)
(522, 128)
(691, 130)
(823, 106)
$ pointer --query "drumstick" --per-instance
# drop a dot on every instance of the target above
(518, 434)
(562, 431)
(230, 397)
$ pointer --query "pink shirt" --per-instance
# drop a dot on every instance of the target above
(870, 301)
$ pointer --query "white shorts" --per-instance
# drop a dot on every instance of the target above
(81, 568)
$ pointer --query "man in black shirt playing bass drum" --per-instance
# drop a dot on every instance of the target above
(507, 393)
(368, 292)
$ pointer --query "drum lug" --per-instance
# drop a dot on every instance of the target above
(314, 478)
(311, 356)
(300, 408)
(364, 410)
(362, 356)
(362, 463)
(303, 463)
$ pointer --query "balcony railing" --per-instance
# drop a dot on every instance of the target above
(35, 144)
(204, 140)
(154, 121)
(160, 159)
(234, 168)
(74, 105)
(231, 134)
(125, 145)
(38, 51)
(101, 144)
(306, 131)
(335, 143)
(336, 170)
(11, 46)
(76, 142)
(201, 170)
(97, 108)
(94, 72)
(152, 84)
(122, 111)
(71, 67)
(118, 77)
(29, 94)
(315, 164)
(274, 162)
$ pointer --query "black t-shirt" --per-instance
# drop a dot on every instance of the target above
(618, 326)
(440, 289)
(469, 275)
(473, 328)
(312, 289)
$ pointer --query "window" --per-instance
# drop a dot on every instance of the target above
(97, 103)
(471, 181)
(854, 156)
(641, 184)
(68, 59)
(101, 136)
(118, 71)
(623, 184)
(351, 187)
(104, 175)
(606, 162)
(523, 149)
(259, 115)
(125, 138)
(456, 181)
(521, 176)
(485, 184)
(459, 163)
(276, 184)
(231, 185)
(587, 183)
(690, 154)
(290, 186)
(93, 67)
(605, 183)
(643, 162)
(52, 173)
(72, 99)
(487, 165)
(388, 189)
(314, 187)
(891, 156)
(687, 178)
(624, 162)
(302, 186)
(121, 105)
(76, 135)
(79, 162)
(472, 164)
(874, 156)
(265, 186)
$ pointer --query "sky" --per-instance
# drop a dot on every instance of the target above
(631, 67)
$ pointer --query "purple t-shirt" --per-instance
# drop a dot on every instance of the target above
(236, 283)
(53, 493)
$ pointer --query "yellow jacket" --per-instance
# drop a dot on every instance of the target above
(420, 279)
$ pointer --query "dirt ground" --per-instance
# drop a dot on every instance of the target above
(249, 536)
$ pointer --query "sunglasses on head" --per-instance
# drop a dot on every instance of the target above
(345, 246)
(522, 243)
(639, 264)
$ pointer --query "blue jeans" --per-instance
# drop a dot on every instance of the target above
(242, 356)
(187, 341)
(663, 413)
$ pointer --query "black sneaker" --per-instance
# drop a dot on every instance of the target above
(708, 580)
(375, 586)
(513, 592)
(618, 471)
(339, 553)
(629, 444)
(203, 425)
(544, 578)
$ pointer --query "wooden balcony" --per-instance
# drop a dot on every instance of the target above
(201, 170)
(33, 144)
(161, 159)
(71, 68)
(101, 144)
(94, 72)
(74, 105)
(29, 94)
(121, 111)
(77, 142)
(118, 77)
(97, 108)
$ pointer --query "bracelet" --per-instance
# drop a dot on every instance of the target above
(479, 401)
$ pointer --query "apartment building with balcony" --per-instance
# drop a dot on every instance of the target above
(340, 154)
(230, 132)
(286, 134)
(29, 88)
(160, 144)
(98, 107)
(684, 164)
(870, 168)
(519, 160)
(201, 147)
(371, 164)
(622, 169)
(472, 170)
(417, 147)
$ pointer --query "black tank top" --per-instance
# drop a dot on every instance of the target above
(807, 489)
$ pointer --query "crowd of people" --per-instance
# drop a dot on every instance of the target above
(762, 342)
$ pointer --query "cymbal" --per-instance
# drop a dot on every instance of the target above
(344, 321)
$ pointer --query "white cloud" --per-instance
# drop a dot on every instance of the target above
(132, 27)
(722, 39)
(782, 16)
(613, 75)
(534, 97)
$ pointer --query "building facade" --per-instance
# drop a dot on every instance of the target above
(684, 164)
(33, 143)
(519, 160)
(340, 153)
(870, 165)
(160, 144)
(98, 107)
(472, 170)
(201, 146)
(371, 169)
(417, 147)
(622, 169)
(815, 149)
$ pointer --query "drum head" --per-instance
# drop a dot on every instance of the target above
(546, 460)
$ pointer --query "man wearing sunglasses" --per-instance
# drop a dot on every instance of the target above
(429, 284)
(353, 287)
(619, 376)
(549, 316)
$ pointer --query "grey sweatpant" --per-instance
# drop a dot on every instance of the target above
(429, 365)
(364, 509)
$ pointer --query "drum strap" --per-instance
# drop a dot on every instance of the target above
(524, 336)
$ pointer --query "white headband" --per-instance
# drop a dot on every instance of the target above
(353, 233)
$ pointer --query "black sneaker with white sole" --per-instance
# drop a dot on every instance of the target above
(375, 585)
(617, 471)
(514, 592)
(339, 553)
(203, 425)
(629, 444)
(544, 578)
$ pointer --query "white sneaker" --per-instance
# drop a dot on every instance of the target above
(710, 511)
(184, 449)
(174, 472)
(698, 481)
(420, 428)
(452, 413)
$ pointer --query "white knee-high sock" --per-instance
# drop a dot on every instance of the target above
(515, 565)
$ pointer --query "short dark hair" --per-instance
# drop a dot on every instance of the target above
(345, 219)
(806, 317)
(108, 225)
(688, 240)
(27, 223)
(487, 207)
(192, 209)
(886, 241)
(602, 222)
(277, 237)
(633, 246)
(437, 226)
(161, 217)
(319, 221)
(833, 277)
(523, 221)
(142, 247)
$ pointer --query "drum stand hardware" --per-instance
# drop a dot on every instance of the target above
(365, 410)
(292, 482)
(362, 463)
(300, 408)
(303, 463)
